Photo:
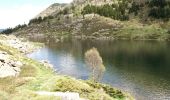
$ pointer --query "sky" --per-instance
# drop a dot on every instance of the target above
(14, 12)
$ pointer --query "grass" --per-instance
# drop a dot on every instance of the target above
(35, 76)
(134, 30)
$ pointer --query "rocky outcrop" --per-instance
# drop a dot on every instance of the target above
(52, 10)
(9, 67)
(19, 44)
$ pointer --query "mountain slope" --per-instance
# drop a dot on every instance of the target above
(118, 19)
(50, 11)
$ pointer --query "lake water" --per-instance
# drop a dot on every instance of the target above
(141, 68)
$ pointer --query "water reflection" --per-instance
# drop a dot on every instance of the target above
(139, 67)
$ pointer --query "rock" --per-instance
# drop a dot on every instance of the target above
(16, 43)
(17, 69)
(47, 64)
(1, 64)
(3, 57)
(2, 60)
(62, 95)
(45, 61)
(15, 63)
(6, 70)
(4, 53)
(18, 64)
(9, 67)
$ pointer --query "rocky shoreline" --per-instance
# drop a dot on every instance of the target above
(22, 45)
(22, 77)
(10, 66)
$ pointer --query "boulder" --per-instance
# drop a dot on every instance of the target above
(9, 67)
(3, 57)
(16, 64)
(47, 64)
(6, 70)
(17, 69)
(62, 95)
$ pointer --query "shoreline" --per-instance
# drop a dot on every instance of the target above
(36, 76)
(58, 39)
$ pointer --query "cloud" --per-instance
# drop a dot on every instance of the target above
(10, 17)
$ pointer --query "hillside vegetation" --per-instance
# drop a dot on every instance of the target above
(103, 19)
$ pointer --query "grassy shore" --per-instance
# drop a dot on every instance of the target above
(36, 76)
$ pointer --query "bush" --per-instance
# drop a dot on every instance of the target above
(40, 19)
(36, 20)
(112, 92)
(89, 89)
(113, 11)
(95, 63)
(72, 85)
(135, 8)
(159, 9)
(65, 11)
(10, 30)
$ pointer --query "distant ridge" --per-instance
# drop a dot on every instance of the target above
(51, 10)
(1, 30)
(102, 19)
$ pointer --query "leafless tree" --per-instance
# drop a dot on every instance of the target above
(95, 63)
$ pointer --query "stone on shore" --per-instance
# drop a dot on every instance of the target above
(9, 67)
(62, 95)
(47, 64)
(6, 70)
(12, 41)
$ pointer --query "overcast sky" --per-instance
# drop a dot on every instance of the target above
(14, 12)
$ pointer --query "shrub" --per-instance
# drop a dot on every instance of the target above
(95, 63)
(159, 9)
(10, 30)
(72, 85)
(113, 11)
